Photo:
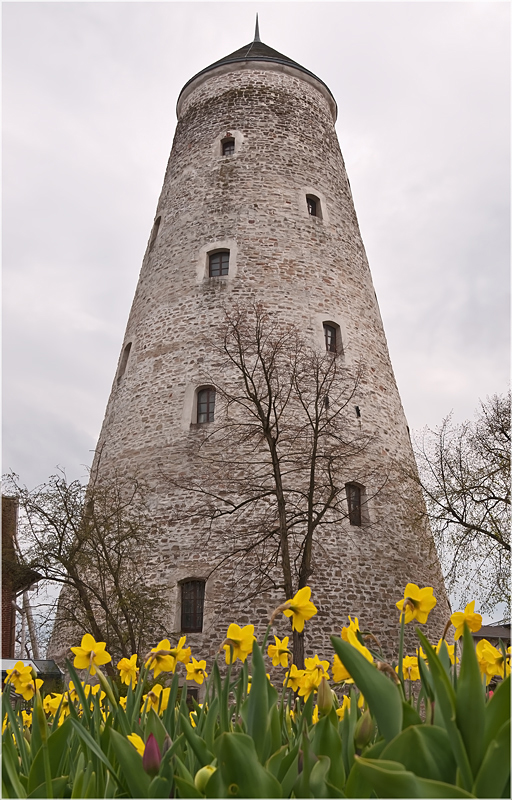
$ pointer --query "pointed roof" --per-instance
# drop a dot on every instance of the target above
(258, 51)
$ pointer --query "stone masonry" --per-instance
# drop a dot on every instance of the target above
(304, 270)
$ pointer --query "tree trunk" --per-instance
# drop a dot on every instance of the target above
(298, 649)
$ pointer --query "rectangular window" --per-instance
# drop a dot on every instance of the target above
(219, 264)
(205, 406)
(228, 147)
(354, 503)
(192, 605)
(330, 338)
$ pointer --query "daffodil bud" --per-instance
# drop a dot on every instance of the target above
(167, 744)
(364, 731)
(324, 698)
(152, 757)
(202, 777)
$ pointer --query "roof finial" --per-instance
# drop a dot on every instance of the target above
(257, 31)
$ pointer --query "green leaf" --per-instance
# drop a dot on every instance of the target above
(470, 703)
(410, 715)
(133, 775)
(240, 769)
(497, 711)
(187, 789)
(155, 726)
(390, 779)
(91, 743)
(445, 697)
(494, 773)
(203, 755)
(381, 694)
(210, 722)
(160, 787)
(318, 777)
(257, 705)
(326, 741)
(11, 763)
(348, 725)
(58, 788)
(424, 750)
(284, 767)
(57, 745)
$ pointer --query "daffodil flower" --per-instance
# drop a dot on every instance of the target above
(417, 603)
(19, 675)
(137, 742)
(128, 670)
(410, 668)
(196, 671)
(449, 647)
(300, 608)
(28, 690)
(353, 626)
(468, 616)
(345, 706)
(157, 698)
(279, 652)
(293, 678)
(90, 654)
(491, 661)
(238, 642)
(163, 657)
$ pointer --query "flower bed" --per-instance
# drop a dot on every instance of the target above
(372, 736)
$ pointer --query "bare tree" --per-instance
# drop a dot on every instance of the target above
(464, 471)
(271, 474)
(94, 544)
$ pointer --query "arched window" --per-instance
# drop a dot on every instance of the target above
(228, 146)
(218, 263)
(314, 206)
(205, 405)
(124, 361)
(192, 605)
(332, 335)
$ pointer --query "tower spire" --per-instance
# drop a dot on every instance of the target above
(257, 31)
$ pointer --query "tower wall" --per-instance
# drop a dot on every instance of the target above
(302, 269)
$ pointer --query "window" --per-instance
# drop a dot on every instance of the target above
(124, 361)
(154, 233)
(218, 263)
(228, 147)
(314, 207)
(192, 605)
(330, 338)
(354, 500)
(205, 405)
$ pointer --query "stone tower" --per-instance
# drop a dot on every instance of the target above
(256, 210)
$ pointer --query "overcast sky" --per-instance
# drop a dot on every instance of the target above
(89, 98)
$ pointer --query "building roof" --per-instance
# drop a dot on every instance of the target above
(256, 51)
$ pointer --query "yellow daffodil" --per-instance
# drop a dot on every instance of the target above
(157, 698)
(417, 603)
(122, 702)
(354, 641)
(19, 675)
(279, 652)
(5, 723)
(410, 668)
(137, 742)
(450, 648)
(315, 716)
(468, 616)
(28, 690)
(163, 657)
(300, 608)
(345, 706)
(128, 670)
(319, 669)
(196, 671)
(239, 640)
(353, 626)
(90, 654)
(293, 678)
(27, 719)
(339, 671)
(491, 661)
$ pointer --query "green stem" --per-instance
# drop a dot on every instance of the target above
(401, 649)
